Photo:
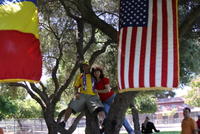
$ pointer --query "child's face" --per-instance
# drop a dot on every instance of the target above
(186, 113)
(86, 68)
(97, 74)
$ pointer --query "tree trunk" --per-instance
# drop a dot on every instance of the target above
(116, 113)
(20, 124)
(136, 120)
(92, 126)
(50, 122)
(53, 127)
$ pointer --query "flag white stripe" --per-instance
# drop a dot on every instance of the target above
(170, 45)
(159, 45)
(148, 47)
(127, 57)
(119, 58)
(137, 57)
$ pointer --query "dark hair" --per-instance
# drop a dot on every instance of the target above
(187, 108)
(94, 69)
(147, 118)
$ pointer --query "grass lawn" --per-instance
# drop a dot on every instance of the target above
(170, 132)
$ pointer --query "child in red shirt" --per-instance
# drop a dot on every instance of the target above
(102, 86)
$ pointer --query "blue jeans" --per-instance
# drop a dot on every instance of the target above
(107, 104)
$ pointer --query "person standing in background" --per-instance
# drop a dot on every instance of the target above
(1, 131)
(198, 124)
(188, 125)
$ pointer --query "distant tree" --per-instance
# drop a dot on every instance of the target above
(193, 96)
(146, 103)
(7, 108)
(27, 109)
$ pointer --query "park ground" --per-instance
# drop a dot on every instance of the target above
(33, 128)
(164, 129)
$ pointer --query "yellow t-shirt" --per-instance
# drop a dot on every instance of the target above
(85, 83)
(188, 126)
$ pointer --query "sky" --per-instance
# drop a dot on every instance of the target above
(182, 91)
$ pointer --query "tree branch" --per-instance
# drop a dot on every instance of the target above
(56, 97)
(55, 69)
(60, 115)
(75, 123)
(99, 52)
(67, 9)
(43, 96)
(79, 43)
(91, 41)
(89, 16)
(44, 89)
(30, 93)
(189, 21)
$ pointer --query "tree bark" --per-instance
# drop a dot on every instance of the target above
(92, 126)
(117, 112)
(189, 21)
(135, 115)
(20, 124)
(52, 125)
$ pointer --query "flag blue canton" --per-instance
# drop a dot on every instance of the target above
(133, 13)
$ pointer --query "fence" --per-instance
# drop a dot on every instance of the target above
(38, 126)
(24, 126)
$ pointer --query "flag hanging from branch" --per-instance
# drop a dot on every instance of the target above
(20, 56)
(148, 45)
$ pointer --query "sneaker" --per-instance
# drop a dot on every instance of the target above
(101, 116)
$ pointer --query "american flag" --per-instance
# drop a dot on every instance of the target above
(148, 45)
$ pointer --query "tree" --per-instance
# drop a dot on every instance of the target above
(7, 108)
(146, 103)
(193, 98)
(79, 26)
(14, 104)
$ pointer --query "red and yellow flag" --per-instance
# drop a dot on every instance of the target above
(20, 55)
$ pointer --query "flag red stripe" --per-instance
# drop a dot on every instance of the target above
(142, 56)
(132, 57)
(164, 44)
(153, 45)
(175, 34)
(123, 54)
(21, 56)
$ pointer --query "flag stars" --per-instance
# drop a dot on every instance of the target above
(133, 13)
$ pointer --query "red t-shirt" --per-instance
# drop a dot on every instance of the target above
(101, 86)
